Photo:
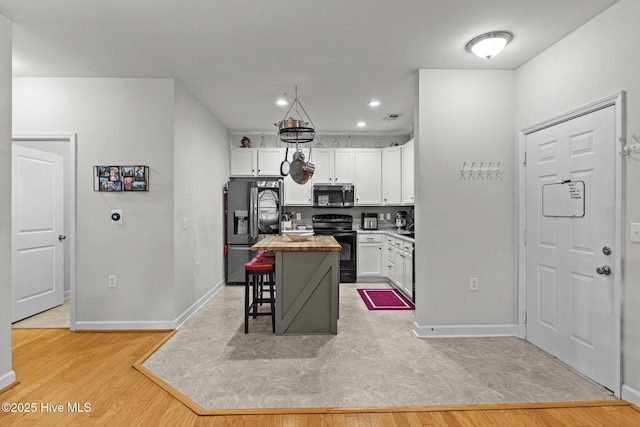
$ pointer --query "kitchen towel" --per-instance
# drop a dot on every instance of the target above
(384, 299)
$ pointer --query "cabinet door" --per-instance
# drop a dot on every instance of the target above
(322, 158)
(243, 162)
(368, 182)
(369, 259)
(296, 194)
(269, 160)
(400, 273)
(343, 165)
(392, 176)
(408, 173)
(408, 274)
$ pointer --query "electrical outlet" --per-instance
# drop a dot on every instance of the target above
(113, 281)
(635, 232)
(381, 216)
(388, 216)
(298, 215)
(473, 284)
(185, 223)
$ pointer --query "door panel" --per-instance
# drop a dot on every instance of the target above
(570, 307)
(37, 223)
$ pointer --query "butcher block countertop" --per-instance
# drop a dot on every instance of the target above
(282, 243)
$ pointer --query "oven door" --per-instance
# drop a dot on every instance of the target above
(348, 262)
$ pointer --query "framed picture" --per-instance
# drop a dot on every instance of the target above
(120, 178)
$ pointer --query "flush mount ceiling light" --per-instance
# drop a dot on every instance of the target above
(373, 103)
(490, 44)
(282, 101)
(361, 124)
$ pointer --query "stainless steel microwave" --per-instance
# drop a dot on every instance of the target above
(333, 196)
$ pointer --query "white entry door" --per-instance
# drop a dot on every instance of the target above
(37, 255)
(570, 241)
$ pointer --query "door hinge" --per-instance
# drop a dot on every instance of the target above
(524, 237)
(524, 317)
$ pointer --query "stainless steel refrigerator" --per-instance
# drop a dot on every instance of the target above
(253, 209)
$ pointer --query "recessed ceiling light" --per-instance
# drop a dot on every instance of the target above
(490, 44)
(373, 103)
(282, 102)
(361, 124)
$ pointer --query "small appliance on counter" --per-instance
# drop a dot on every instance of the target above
(401, 219)
(369, 221)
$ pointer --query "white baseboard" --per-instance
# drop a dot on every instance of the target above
(67, 294)
(630, 394)
(180, 320)
(462, 331)
(123, 325)
(7, 379)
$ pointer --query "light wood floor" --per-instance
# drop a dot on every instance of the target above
(60, 367)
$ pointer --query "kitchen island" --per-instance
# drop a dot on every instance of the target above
(307, 283)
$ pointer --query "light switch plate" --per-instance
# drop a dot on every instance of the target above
(635, 232)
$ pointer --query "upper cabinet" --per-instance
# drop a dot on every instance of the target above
(256, 161)
(368, 182)
(408, 173)
(392, 176)
(333, 166)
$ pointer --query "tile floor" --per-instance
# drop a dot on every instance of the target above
(375, 360)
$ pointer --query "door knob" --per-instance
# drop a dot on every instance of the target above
(61, 237)
(605, 269)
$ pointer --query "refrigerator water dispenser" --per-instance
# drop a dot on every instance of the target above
(241, 222)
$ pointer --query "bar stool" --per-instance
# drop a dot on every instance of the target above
(255, 272)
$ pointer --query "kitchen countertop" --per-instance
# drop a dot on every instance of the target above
(282, 243)
(389, 231)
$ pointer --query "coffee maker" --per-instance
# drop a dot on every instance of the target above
(401, 219)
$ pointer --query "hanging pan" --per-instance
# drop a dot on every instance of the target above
(285, 166)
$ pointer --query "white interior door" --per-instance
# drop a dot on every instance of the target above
(37, 232)
(570, 298)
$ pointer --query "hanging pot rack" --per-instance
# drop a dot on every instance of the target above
(294, 130)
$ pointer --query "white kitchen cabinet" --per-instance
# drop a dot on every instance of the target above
(389, 259)
(255, 161)
(333, 166)
(296, 194)
(244, 162)
(392, 176)
(408, 173)
(269, 161)
(368, 179)
(407, 269)
(369, 255)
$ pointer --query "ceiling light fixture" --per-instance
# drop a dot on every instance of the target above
(361, 124)
(373, 103)
(490, 44)
(282, 102)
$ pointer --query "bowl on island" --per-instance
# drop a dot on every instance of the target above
(297, 235)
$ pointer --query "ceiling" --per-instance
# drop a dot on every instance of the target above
(238, 56)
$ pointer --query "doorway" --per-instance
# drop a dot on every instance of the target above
(63, 144)
(571, 239)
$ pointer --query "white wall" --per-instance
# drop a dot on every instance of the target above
(121, 122)
(7, 376)
(465, 227)
(597, 60)
(201, 170)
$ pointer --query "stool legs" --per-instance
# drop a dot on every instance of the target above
(257, 281)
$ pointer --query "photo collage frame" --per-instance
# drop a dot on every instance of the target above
(121, 178)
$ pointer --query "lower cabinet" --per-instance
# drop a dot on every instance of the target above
(369, 255)
(398, 264)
